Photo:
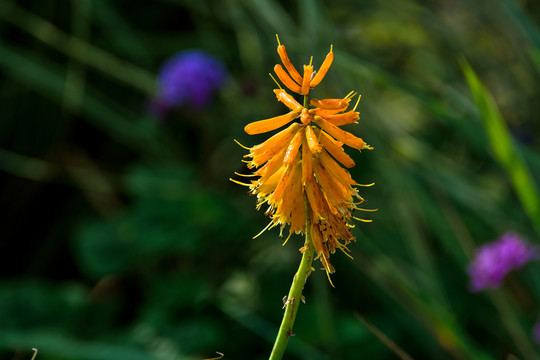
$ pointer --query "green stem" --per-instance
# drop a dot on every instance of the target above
(295, 295)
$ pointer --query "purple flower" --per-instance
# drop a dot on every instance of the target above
(495, 260)
(536, 332)
(188, 78)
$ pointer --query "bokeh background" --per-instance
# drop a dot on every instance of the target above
(123, 238)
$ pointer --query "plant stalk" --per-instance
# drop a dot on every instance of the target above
(295, 295)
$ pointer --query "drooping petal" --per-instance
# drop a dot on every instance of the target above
(271, 166)
(268, 186)
(294, 197)
(315, 198)
(262, 152)
(335, 194)
(307, 162)
(292, 149)
(340, 135)
(312, 140)
(317, 240)
(336, 171)
(336, 150)
(298, 206)
(342, 119)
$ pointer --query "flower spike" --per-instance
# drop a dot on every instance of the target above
(299, 172)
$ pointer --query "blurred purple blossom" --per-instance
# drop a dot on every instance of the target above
(189, 78)
(536, 332)
(493, 261)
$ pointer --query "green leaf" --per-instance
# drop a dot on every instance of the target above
(504, 150)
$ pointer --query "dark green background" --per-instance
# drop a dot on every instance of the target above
(122, 238)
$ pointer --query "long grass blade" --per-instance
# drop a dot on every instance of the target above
(502, 146)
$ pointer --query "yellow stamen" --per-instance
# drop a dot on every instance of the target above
(287, 239)
(245, 147)
(346, 253)
(245, 175)
(362, 220)
(240, 183)
(357, 101)
(275, 81)
(350, 95)
(263, 230)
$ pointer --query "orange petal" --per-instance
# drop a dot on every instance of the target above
(292, 149)
(340, 135)
(293, 196)
(298, 213)
(317, 239)
(265, 187)
(335, 194)
(340, 176)
(325, 112)
(288, 65)
(323, 69)
(315, 199)
(308, 70)
(342, 119)
(336, 150)
(330, 104)
(335, 170)
(298, 206)
(312, 141)
(286, 79)
(271, 166)
(277, 195)
(307, 162)
(262, 126)
(288, 100)
(262, 152)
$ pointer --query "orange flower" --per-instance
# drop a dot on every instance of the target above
(301, 163)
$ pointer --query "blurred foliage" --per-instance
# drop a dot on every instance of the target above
(124, 239)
